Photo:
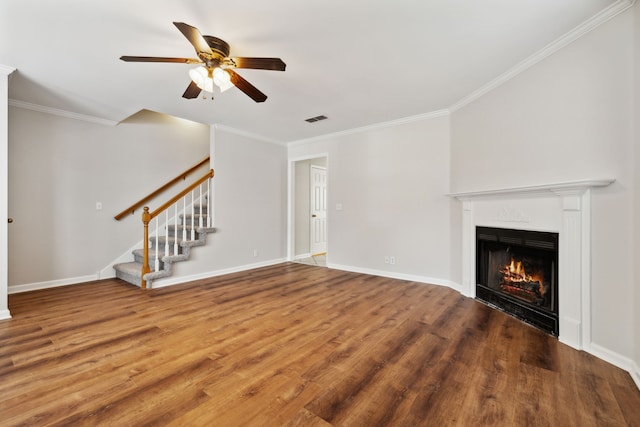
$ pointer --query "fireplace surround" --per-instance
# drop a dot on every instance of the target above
(517, 272)
(563, 208)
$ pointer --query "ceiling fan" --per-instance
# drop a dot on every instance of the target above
(216, 66)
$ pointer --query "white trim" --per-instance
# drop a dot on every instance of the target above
(555, 187)
(6, 70)
(51, 284)
(394, 275)
(162, 283)
(302, 256)
(62, 113)
(392, 123)
(612, 357)
(573, 35)
(635, 374)
(585, 236)
(248, 134)
(5, 75)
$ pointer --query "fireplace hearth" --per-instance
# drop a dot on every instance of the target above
(517, 272)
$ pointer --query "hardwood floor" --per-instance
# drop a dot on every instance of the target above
(292, 345)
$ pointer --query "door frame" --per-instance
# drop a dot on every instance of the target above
(5, 75)
(291, 202)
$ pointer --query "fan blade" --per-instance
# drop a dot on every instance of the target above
(275, 64)
(192, 91)
(160, 59)
(195, 38)
(250, 90)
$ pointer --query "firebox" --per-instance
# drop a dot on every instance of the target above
(517, 272)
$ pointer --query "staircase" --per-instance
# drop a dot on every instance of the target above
(132, 271)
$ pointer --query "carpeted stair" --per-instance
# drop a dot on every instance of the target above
(132, 271)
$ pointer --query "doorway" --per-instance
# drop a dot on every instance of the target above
(309, 239)
(318, 210)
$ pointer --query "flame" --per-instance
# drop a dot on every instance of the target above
(514, 274)
(516, 269)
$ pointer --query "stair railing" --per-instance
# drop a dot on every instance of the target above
(198, 194)
(131, 209)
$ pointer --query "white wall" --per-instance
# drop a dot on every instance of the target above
(250, 204)
(567, 118)
(60, 167)
(391, 182)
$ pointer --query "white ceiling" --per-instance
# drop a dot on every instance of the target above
(359, 62)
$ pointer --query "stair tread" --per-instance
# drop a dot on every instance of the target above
(132, 268)
(131, 271)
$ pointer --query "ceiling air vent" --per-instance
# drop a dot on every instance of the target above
(315, 119)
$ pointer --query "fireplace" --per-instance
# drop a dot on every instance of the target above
(517, 272)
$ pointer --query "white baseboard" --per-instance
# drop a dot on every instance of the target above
(609, 356)
(5, 314)
(169, 281)
(51, 284)
(635, 374)
(394, 275)
(307, 255)
(615, 359)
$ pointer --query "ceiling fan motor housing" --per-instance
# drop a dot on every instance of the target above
(218, 46)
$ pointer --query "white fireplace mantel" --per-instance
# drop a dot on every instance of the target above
(564, 208)
(569, 186)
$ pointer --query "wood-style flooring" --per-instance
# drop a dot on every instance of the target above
(292, 345)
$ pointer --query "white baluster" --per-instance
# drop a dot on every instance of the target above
(200, 216)
(157, 264)
(209, 203)
(175, 243)
(193, 211)
(184, 212)
(166, 232)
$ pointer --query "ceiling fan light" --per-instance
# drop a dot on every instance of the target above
(222, 79)
(200, 76)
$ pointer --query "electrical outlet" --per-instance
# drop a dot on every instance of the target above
(392, 260)
(98, 206)
(386, 259)
(255, 252)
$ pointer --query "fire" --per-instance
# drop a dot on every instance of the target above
(517, 282)
(517, 273)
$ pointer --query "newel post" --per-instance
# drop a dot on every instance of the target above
(146, 217)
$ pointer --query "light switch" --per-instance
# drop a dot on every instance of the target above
(338, 206)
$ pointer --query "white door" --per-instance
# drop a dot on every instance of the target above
(318, 208)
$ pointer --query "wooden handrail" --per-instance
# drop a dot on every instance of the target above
(181, 194)
(148, 216)
(131, 209)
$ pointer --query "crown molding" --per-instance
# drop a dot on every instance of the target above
(247, 134)
(573, 35)
(377, 126)
(61, 113)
